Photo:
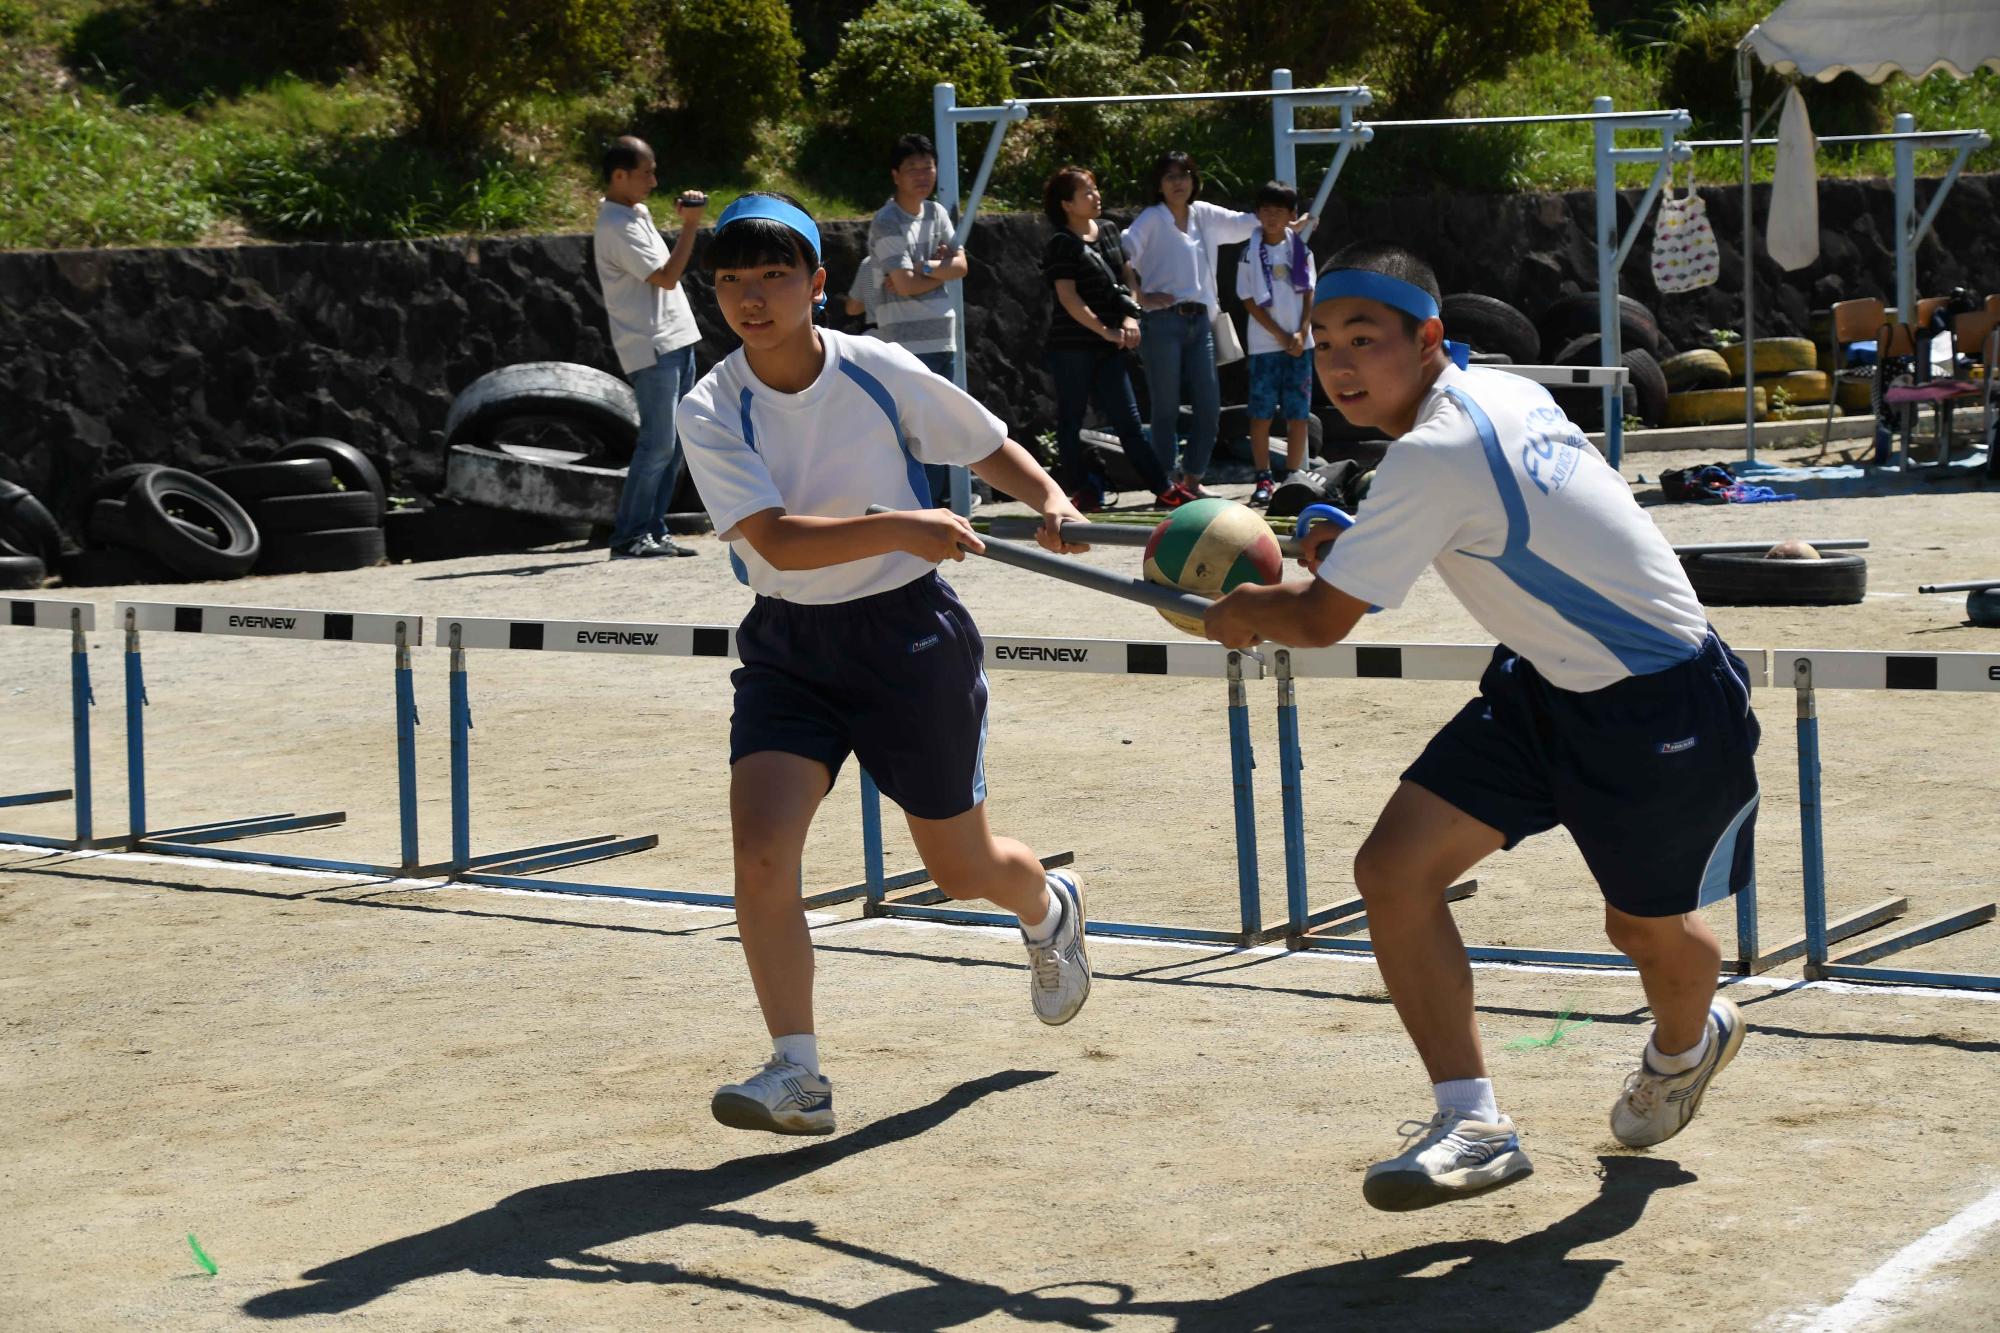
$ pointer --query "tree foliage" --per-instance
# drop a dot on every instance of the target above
(732, 63)
(891, 57)
(1423, 53)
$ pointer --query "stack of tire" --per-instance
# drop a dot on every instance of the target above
(1705, 386)
(318, 504)
(30, 542)
(1571, 327)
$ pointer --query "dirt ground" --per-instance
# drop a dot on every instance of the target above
(446, 1107)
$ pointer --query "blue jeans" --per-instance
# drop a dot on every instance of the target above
(937, 474)
(1081, 375)
(1179, 352)
(656, 457)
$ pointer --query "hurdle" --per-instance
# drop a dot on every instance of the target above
(78, 618)
(520, 868)
(1325, 928)
(1815, 669)
(400, 631)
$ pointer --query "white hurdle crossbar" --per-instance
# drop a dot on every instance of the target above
(79, 618)
(260, 622)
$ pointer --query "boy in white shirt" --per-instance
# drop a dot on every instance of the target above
(1611, 708)
(1274, 278)
(855, 645)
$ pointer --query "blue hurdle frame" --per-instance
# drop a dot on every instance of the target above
(78, 618)
(1324, 928)
(1899, 671)
(198, 839)
(1242, 766)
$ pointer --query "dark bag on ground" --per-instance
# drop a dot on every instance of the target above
(1697, 485)
(1343, 484)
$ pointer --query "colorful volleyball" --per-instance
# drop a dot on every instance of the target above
(1207, 547)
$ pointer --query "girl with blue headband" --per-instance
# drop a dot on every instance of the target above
(1611, 707)
(854, 644)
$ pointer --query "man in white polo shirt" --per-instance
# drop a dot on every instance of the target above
(653, 331)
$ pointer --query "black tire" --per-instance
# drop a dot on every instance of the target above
(314, 513)
(109, 525)
(27, 526)
(1586, 406)
(351, 467)
(599, 405)
(1571, 317)
(19, 572)
(1650, 383)
(1488, 324)
(1752, 580)
(1982, 607)
(247, 483)
(449, 531)
(114, 567)
(324, 552)
(159, 498)
(114, 484)
(1479, 358)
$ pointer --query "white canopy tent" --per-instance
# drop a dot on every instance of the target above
(1823, 39)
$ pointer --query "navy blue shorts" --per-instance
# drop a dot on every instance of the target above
(897, 680)
(1652, 776)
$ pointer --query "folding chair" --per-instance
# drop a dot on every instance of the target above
(1897, 341)
(1851, 322)
(1977, 335)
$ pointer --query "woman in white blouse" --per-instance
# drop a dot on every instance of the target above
(1172, 247)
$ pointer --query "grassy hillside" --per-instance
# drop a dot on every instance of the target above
(120, 128)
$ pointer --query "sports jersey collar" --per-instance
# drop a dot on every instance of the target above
(806, 397)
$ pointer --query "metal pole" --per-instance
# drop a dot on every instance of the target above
(135, 729)
(1291, 765)
(1284, 153)
(1241, 763)
(461, 756)
(1743, 88)
(1906, 221)
(406, 746)
(943, 98)
(1609, 351)
(1812, 845)
(80, 700)
(871, 838)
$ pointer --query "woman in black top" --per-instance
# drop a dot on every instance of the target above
(1093, 327)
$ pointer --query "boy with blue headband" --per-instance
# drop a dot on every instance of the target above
(855, 645)
(1610, 707)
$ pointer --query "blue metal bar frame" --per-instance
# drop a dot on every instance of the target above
(1851, 966)
(193, 840)
(81, 700)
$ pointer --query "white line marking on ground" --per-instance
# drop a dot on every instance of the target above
(1888, 1290)
(834, 924)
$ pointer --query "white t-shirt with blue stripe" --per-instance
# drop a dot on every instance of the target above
(1530, 528)
(856, 436)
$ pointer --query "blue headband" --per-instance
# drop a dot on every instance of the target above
(1407, 297)
(772, 210)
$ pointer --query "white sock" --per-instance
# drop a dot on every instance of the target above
(800, 1048)
(1676, 1064)
(1469, 1097)
(1044, 930)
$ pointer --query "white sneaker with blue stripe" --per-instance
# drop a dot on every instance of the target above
(1444, 1158)
(1059, 971)
(1654, 1106)
(780, 1098)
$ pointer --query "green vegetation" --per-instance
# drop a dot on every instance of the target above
(135, 122)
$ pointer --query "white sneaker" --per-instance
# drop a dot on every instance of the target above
(1059, 971)
(1444, 1158)
(780, 1098)
(1654, 1106)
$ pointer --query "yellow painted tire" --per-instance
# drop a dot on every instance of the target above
(1703, 368)
(1707, 407)
(1803, 387)
(1775, 356)
(1855, 396)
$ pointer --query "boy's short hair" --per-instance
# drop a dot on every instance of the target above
(1171, 160)
(622, 155)
(1391, 261)
(909, 146)
(1060, 189)
(1276, 192)
(752, 242)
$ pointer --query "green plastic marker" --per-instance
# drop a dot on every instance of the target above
(200, 1256)
(1562, 1029)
